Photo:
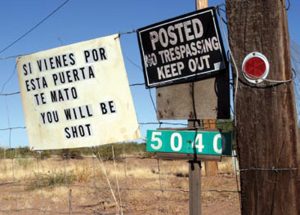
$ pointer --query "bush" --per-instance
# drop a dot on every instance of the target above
(67, 154)
(106, 152)
(225, 125)
(42, 154)
(51, 179)
(134, 149)
(8, 153)
(25, 163)
(23, 152)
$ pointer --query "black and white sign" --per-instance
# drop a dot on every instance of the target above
(185, 48)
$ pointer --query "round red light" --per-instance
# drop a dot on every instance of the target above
(255, 67)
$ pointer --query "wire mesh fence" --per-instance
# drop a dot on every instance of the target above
(295, 57)
(87, 181)
(102, 182)
(133, 183)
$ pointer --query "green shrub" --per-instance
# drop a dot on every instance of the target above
(122, 149)
(106, 152)
(132, 148)
(67, 154)
(51, 179)
(7, 153)
(24, 152)
(44, 154)
(225, 125)
(25, 162)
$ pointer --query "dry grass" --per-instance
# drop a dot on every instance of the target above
(226, 166)
(48, 184)
(84, 170)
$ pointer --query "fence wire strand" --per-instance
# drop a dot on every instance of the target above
(162, 192)
(98, 156)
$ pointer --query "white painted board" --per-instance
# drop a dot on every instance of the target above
(77, 96)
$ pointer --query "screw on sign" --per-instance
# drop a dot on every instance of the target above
(255, 67)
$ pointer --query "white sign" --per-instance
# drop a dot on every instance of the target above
(77, 96)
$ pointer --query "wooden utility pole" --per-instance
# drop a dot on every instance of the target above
(265, 113)
(211, 167)
(200, 4)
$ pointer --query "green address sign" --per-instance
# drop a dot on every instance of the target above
(189, 142)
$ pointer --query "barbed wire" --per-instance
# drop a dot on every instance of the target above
(9, 78)
(140, 123)
(41, 210)
(12, 128)
(137, 84)
(34, 27)
(273, 169)
(10, 94)
(11, 57)
(288, 5)
(23, 54)
(126, 188)
(46, 209)
(162, 123)
(18, 92)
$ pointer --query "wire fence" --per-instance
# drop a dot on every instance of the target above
(126, 183)
(295, 57)
(138, 184)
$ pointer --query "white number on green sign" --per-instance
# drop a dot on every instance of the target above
(198, 143)
(179, 142)
(156, 138)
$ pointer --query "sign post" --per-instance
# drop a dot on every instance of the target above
(195, 144)
(184, 49)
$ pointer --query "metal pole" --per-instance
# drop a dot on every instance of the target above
(195, 187)
(194, 165)
(194, 181)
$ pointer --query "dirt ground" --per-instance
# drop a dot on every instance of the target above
(133, 186)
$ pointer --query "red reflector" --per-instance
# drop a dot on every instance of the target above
(255, 67)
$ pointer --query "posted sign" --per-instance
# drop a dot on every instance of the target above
(184, 48)
(77, 96)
